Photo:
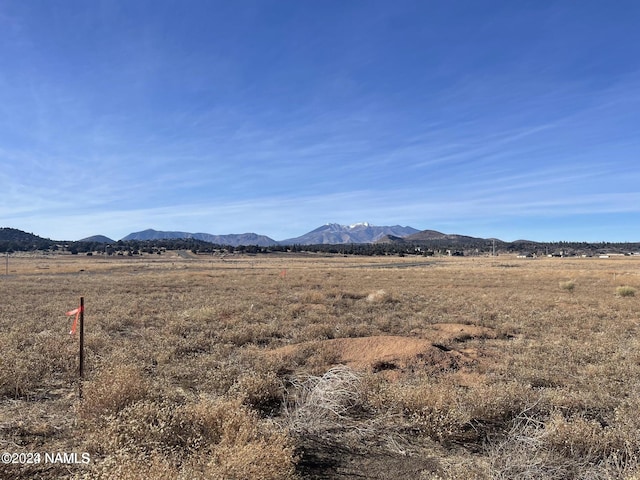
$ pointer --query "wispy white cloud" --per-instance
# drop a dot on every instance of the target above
(282, 217)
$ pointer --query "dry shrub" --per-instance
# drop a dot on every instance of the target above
(198, 315)
(122, 466)
(295, 310)
(262, 391)
(380, 296)
(209, 438)
(319, 401)
(582, 438)
(558, 448)
(333, 422)
(450, 414)
(264, 459)
(627, 421)
(314, 356)
(539, 445)
(494, 406)
(213, 373)
(520, 453)
(30, 360)
(458, 466)
(313, 296)
(348, 295)
(317, 331)
(19, 377)
(435, 411)
(568, 285)
(111, 390)
(244, 334)
(354, 330)
(337, 297)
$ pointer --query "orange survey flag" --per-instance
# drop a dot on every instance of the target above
(76, 312)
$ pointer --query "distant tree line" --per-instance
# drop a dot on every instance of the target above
(139, 247)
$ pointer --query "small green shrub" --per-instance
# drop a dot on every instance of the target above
(625, 291)
(569, 285)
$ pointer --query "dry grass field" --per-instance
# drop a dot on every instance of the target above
(284, 367)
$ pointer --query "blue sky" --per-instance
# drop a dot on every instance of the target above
(496, 118)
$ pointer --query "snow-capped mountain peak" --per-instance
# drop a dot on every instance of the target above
(361, 224)
(334, 233)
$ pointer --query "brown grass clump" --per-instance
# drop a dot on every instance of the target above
(568, 285)
(30, 358)
(111, 390)
(262, 391)
(379, 296)
(454, 415)
(318, 400)
(206, 438)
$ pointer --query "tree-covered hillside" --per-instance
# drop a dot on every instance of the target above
(12, 240)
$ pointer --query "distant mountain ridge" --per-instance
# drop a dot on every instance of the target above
(331, 233)
(334, 233)
(97, 239)
(233, 240)
(14, 239)
(434, 235)
(13, 234)
(328, 234)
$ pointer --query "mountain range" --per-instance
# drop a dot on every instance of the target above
(234, 239)
(331, 233)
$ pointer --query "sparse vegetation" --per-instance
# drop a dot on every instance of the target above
(568, 285)
(625, 291)
(201, 367)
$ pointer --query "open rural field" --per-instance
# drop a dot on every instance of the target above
(293, 366)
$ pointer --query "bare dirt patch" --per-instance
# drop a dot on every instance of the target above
(324, 459)
(436, 348)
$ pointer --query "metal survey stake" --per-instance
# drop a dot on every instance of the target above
(81, 358)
